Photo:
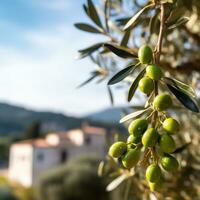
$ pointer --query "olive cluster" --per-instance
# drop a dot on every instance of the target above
(151, 138)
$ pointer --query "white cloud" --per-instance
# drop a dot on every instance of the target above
(45, 75)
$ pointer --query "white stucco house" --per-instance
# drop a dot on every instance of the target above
(29, 158)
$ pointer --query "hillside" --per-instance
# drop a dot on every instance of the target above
(15, 119)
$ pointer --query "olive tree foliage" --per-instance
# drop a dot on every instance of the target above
(171, 28)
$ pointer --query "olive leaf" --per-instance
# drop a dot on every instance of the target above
(154, 21)
(87, 28)
(101, 168)
(180, 85)
(122, 74)
(122, 21)
(134, 115)
(135, 84)
(106, 14)
(87, 51)
(179, 22)
(185, 99)
(121, 51)
(182, 148)
(94, 74)
(125, 38)
(132, 21)
(116, 182)
(93, 14)
(110, 95)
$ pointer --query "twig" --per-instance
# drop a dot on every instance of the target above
(161, 33)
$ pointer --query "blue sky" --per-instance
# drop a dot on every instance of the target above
(38, 46)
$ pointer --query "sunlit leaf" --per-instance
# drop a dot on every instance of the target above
(93, 14)
(116, 182)
(125, 38)
(121, 51)
(135, 84)
(134, 115)
(186, 100)
(180, 85)
(122, 74)
(101, 168)
(179, 22)
(87, 28)
(132, 21)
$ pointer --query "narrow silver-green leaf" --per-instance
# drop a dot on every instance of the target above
(125, 38)
(179, 22)
(87, 28)
(134, 115)
(178, 84)
(89, 50)
(185, 99)
(121, 51)
(116, 182)
(110, 95)
(122, 74)
(132, 21)
(93, 14)
(135, 84)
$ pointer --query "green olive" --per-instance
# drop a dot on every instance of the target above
(145, 54)
(131, 158)
(153, 173)
(171, 125)
(138, 127)
(169, 163)
(154, 72)
(162, 102)
(157, 186)
(146, 85)
(117, 149)
(150, 137)
(133, 139)
(167, 143)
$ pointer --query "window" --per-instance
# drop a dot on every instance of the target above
(88, 140)
(40, 157)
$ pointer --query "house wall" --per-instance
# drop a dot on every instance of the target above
(20, 164)
(44, 159)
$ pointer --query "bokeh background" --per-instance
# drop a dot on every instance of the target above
(53, 135)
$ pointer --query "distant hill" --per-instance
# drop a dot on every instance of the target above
(15, 119)
(110, 115)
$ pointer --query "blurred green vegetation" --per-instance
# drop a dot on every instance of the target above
(75, 180)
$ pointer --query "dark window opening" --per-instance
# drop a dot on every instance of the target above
(63, 156)
(88, 140)
(40, 157)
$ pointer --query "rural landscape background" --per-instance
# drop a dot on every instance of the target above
(54, 136)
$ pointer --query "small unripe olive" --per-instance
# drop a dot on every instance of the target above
(146, 85)
(131, 158)
(156, 186)
(138, 127)
(145, 54)
(162, 102)
(171, 125)
(153, 173)
(169, 163)
(167, 143)
(117, 149)
(154, 72)
(133, 139)
(150, 137)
